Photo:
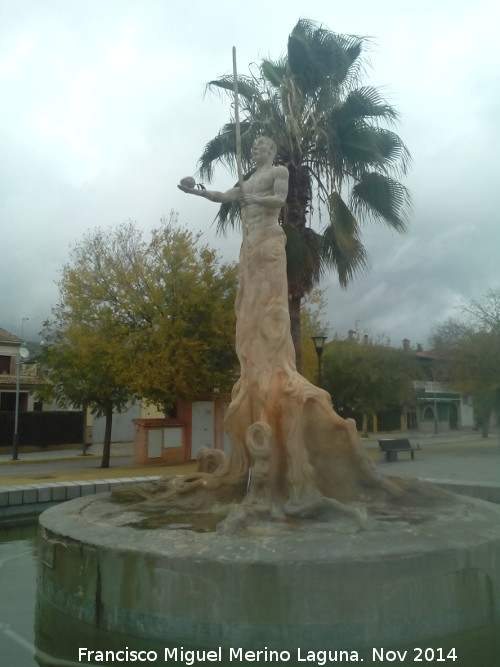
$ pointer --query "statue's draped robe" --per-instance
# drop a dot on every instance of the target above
(294, 416)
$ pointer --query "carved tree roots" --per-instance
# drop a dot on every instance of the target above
(299, 460)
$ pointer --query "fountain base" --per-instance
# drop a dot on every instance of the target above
(288, 585)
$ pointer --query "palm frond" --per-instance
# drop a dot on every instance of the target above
(394, 153)
(228, 217)
(354, 149)
(316, 54)
(384, 198)
(341, 247)
(229, 214)
(246, 86)
(365, 102)
(342, 221)
(346, 265)
(353, 145)
(222, 148)
(273, 72)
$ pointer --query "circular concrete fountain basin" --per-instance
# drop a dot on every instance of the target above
(307, 585)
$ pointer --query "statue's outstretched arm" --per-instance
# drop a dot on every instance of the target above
(213, 195)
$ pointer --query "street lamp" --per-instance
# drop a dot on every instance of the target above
(24, 319)
(436, 414)
(22, 355)
(319, 342)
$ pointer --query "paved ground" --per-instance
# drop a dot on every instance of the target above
(459, 457)
(63, 465)
(464, 458)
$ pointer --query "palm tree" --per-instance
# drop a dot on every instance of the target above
(329, 135)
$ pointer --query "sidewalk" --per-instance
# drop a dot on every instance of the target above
(67, 453)
(69, 465)
(454, 456)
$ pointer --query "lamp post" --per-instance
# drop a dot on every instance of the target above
(319, 342)
(436, 414)
(22, 355)
(24, 319)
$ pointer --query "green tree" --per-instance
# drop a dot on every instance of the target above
(141, 318)
(468, 352)
(183, 333)
(366, 379)
(82, 363)
(330, 135)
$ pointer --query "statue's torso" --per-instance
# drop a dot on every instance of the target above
(257, 218)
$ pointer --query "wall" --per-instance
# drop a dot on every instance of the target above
(123, 427)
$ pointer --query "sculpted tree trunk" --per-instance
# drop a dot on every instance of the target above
(274, 408)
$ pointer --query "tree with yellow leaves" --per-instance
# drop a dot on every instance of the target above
(151, 319)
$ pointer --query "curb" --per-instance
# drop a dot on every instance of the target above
(480, 490)
(30, 499)
(76, 457)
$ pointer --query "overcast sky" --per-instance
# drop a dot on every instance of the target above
(103, 111)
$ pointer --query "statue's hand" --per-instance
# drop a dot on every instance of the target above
(187, 184)
(184, 188)
(245, 200)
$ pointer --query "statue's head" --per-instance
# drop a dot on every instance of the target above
(265, 143)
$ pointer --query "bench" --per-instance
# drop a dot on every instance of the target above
(392, 447)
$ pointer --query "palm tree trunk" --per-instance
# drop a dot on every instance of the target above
(294, 303)
(302, 271)
(106, 449)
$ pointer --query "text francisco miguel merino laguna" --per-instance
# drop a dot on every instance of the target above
(194, 656)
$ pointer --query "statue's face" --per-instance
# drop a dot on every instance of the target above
(262, 149)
